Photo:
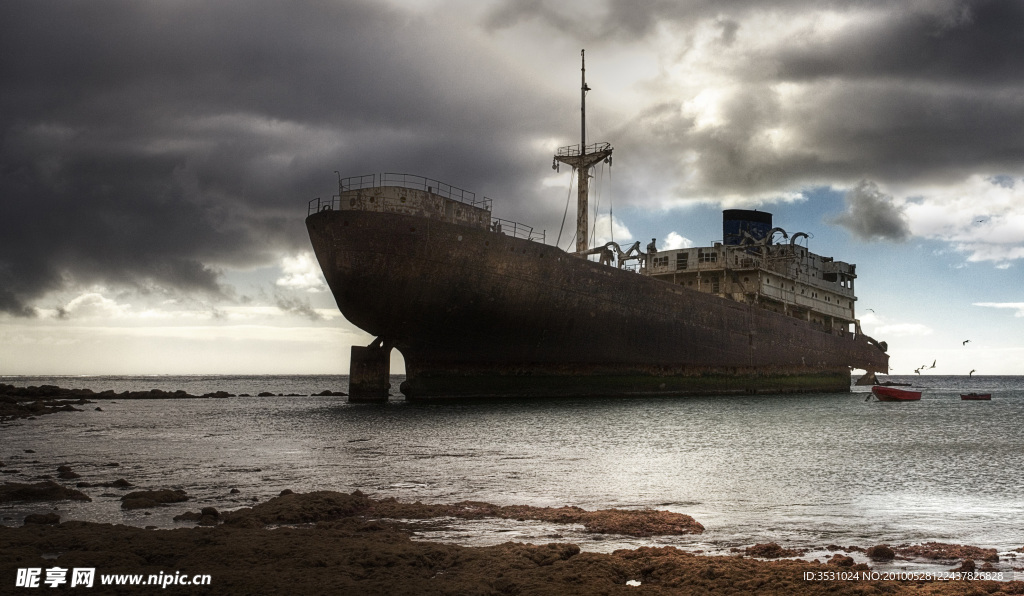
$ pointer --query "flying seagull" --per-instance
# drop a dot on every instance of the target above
(933, 364)
(965, 341)
(972, 372)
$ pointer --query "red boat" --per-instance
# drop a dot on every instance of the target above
(893, 394)
(976, 396)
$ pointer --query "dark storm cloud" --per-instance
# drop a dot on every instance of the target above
(154, 143)
(976, 42)
(297, 306)
(871, 215)
(902, 93)
(632, 20)
(898, 134)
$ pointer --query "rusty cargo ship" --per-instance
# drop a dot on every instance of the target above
(483, 307)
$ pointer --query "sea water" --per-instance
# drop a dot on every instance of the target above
(801, 470)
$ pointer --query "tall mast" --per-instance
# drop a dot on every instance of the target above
(581, 158)
(583, 99)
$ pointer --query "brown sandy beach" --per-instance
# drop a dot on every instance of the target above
(335, 543)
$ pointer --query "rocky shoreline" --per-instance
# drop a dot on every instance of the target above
(32, 401)
(356, 544)
(329, 542)
(332, 542)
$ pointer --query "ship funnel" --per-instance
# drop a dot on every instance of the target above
(756, 224)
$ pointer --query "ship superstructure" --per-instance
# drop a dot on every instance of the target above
(751, 267)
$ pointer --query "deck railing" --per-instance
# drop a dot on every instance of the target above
(574, 150)
(516, 229)
(414, 182)
(430, 185)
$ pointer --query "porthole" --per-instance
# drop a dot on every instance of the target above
(403, 199)
(352, 202)
(460, 238)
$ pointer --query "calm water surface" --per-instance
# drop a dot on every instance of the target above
(804, 470)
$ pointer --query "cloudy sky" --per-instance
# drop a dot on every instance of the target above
(156, 158)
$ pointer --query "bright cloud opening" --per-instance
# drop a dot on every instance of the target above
(610, 229)
(92, 305)
(1018, 306)
(302, 272)
(674, 241)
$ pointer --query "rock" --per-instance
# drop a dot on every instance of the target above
(219, 395)
(771, 550)
(138, 503)
(40, 491)
(152, 498)
(42, 519)
(841, 561)
(941, 550)
(99, 409)
(207, 516)
(65, 473)
(881, 552)
(234, 491)
(286, 491)
(301, 509)
(548, 554)
(967, 566)
(119, 483)
(266, 394)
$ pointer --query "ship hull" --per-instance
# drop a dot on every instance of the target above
(478, 313)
